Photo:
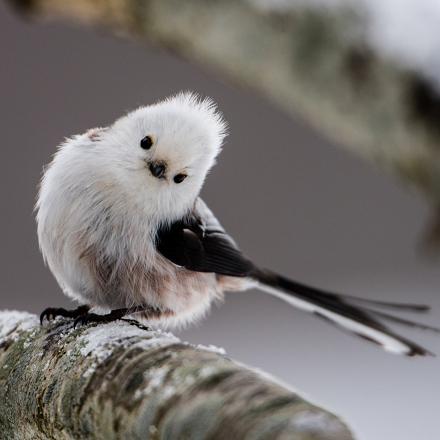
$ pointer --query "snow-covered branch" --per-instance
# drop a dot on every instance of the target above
(123, 381)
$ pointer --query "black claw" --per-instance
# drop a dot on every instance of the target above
(52, 312)
(78, 321)
(84, 319)
(88, 318)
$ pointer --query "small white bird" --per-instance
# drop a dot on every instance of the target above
(121, 226)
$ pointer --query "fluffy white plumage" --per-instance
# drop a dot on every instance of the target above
(98, 201)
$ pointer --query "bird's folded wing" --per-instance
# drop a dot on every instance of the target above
(199, 243)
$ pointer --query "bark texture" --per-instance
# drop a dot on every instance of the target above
(314, 61)
(123, 381)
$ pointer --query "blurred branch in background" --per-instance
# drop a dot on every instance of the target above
(359, 71)
(122, 381)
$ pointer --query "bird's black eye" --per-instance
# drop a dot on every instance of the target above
(179, 178)
(146, 142)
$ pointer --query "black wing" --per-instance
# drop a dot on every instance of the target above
(199, 243)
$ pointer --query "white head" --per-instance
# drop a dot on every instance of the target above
(161, 154)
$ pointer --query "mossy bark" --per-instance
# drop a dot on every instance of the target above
(123, 381)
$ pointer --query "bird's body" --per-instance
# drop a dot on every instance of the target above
(97, 229)
(121, 224)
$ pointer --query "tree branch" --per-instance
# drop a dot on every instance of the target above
(123, 381)
(314, 61)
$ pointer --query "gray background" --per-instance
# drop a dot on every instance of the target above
(294, 202)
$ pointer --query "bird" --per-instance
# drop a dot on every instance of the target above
(122, 227)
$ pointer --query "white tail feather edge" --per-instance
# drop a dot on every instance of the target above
(389, 343)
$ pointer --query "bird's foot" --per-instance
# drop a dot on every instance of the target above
(52, 312)
(87, 318)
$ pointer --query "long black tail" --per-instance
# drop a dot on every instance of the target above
(354, 314)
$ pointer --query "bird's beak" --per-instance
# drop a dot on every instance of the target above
(157, 169)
